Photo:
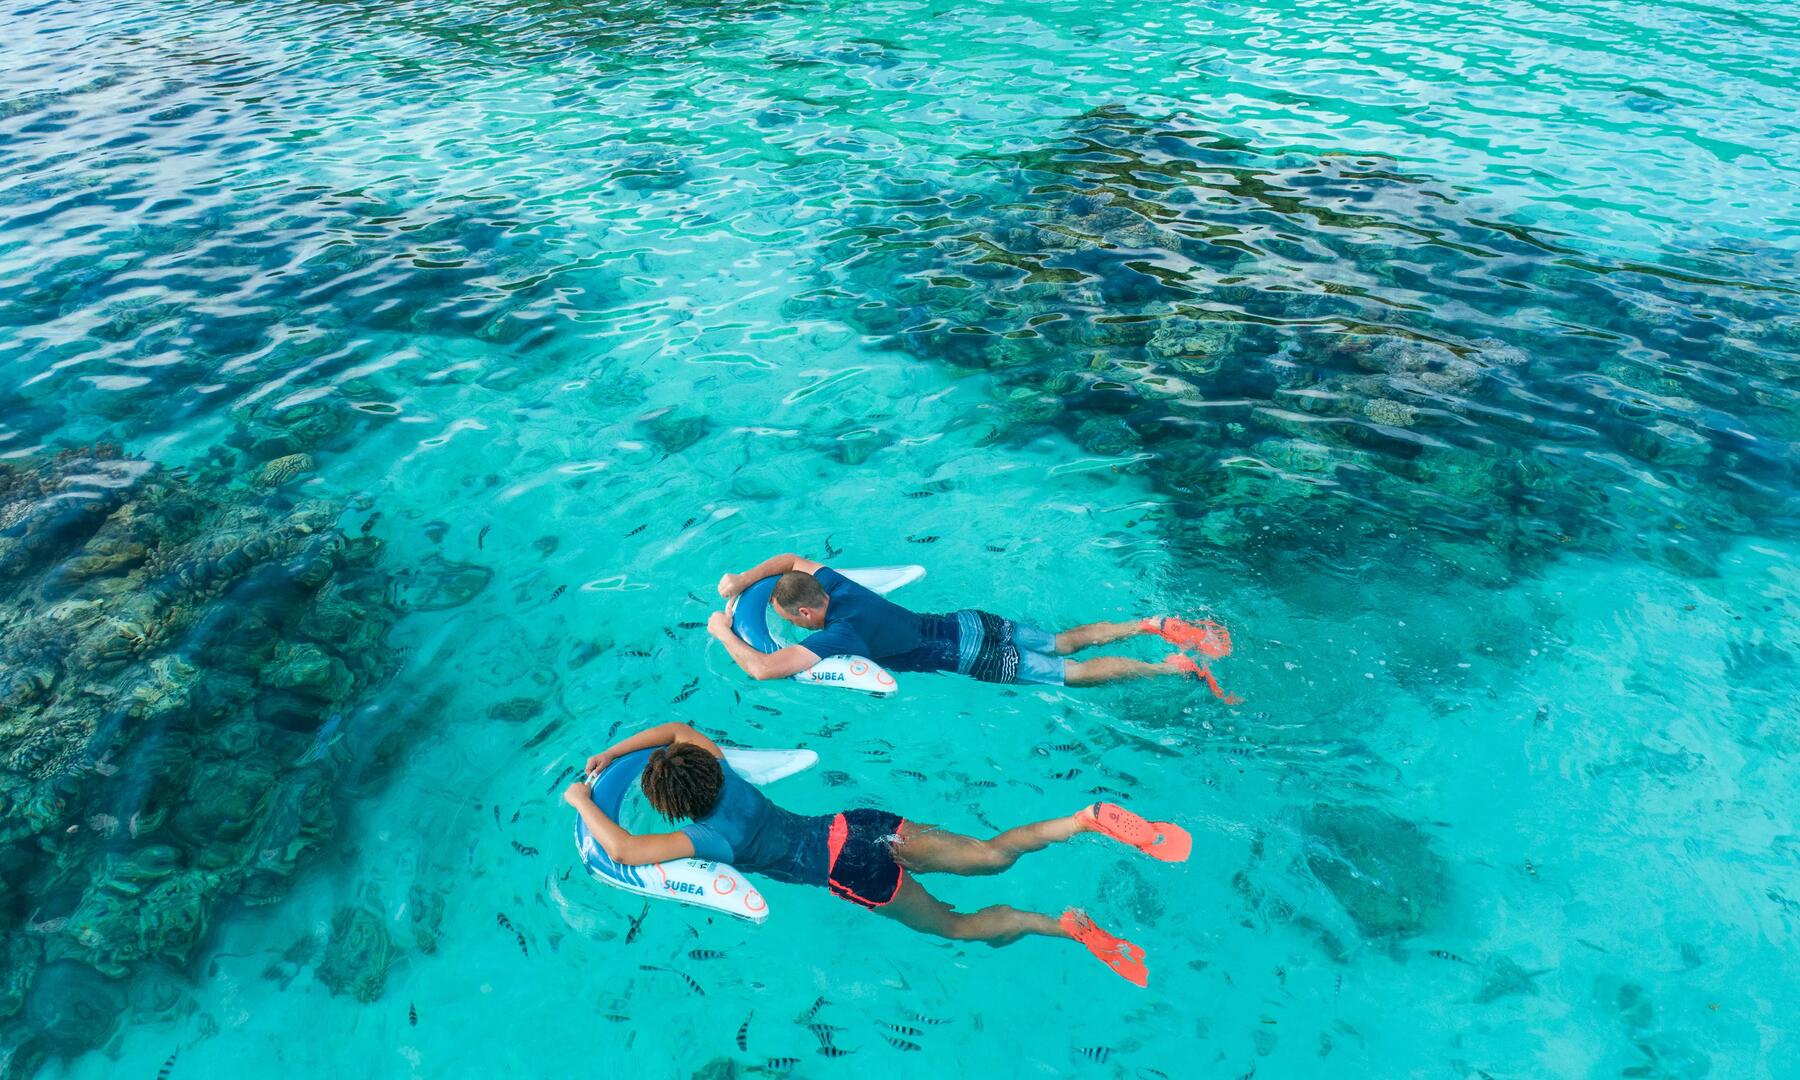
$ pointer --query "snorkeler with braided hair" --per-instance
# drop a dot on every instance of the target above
(848, 619)
(868, 857)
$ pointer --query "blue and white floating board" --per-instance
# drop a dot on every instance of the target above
(711, 885)
(753, 618)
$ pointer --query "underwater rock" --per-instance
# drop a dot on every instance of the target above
(357, 954)
(719, 1068)
(307, 669)
(1106, 435)
(1193, 348)
(1381, 869)
(72, 1009)
(674, 432)
(1289, 296)
(1391, 413)
(19, 959)
(154, 650)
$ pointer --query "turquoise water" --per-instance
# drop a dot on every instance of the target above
(1446, 351)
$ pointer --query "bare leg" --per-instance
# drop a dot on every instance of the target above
(926, 849)
(1105, 669)
(997, 925)
(1099, 633)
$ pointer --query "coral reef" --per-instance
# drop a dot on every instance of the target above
(1382, 869)
(168, 650)
(1160, 292)
(357, 955)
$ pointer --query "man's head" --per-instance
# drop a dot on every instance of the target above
(682, 781)
(801, 600)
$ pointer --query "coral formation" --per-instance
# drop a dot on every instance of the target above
(1153, 289)
(168, 650)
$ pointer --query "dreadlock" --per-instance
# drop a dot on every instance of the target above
(682, 781)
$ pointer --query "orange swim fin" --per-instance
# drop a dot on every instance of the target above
(1206, 637)
(1122, 956)
(1158, 839)
(1204, 674)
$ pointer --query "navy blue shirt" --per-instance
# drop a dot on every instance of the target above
(859, 622)
(751, 833)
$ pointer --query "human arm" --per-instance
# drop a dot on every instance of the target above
(660, 735)
(622, 847)
(779, 664)
(732, 584)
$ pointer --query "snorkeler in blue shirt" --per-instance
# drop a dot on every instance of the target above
(848, 619)
(867, 856)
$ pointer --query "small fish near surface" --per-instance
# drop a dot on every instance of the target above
(770, 709)
(1443, 954)
(560, 589)
(705, 954)
(1099, 1055)
(521, 937)
(831, 552)
(923, 539)
(328, 736)
(780, 1066)
(502, 921)
(833, 1052)
(637, 530)
(807, 1016)
(687, 691)
(921, 1018)
(560, 777)
(904, 1045)
(168, 1066)
(412, 1014)
(524, 849)
(637, 925)
(481, 538)
(691, 984)
(743, 1035)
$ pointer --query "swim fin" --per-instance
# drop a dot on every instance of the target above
(1204, 674)
(1158, 839)
(1122, 956)
(1208, 638)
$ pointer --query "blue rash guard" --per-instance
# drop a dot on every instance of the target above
(751, 833)
(859, 622)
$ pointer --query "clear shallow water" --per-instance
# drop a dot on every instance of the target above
(1445, 351)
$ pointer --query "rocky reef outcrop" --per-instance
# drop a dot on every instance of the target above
(1324, 358)
(175, 658)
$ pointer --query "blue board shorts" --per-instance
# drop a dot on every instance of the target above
(986, 647)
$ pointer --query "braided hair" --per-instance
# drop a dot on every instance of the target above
(682, 781)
